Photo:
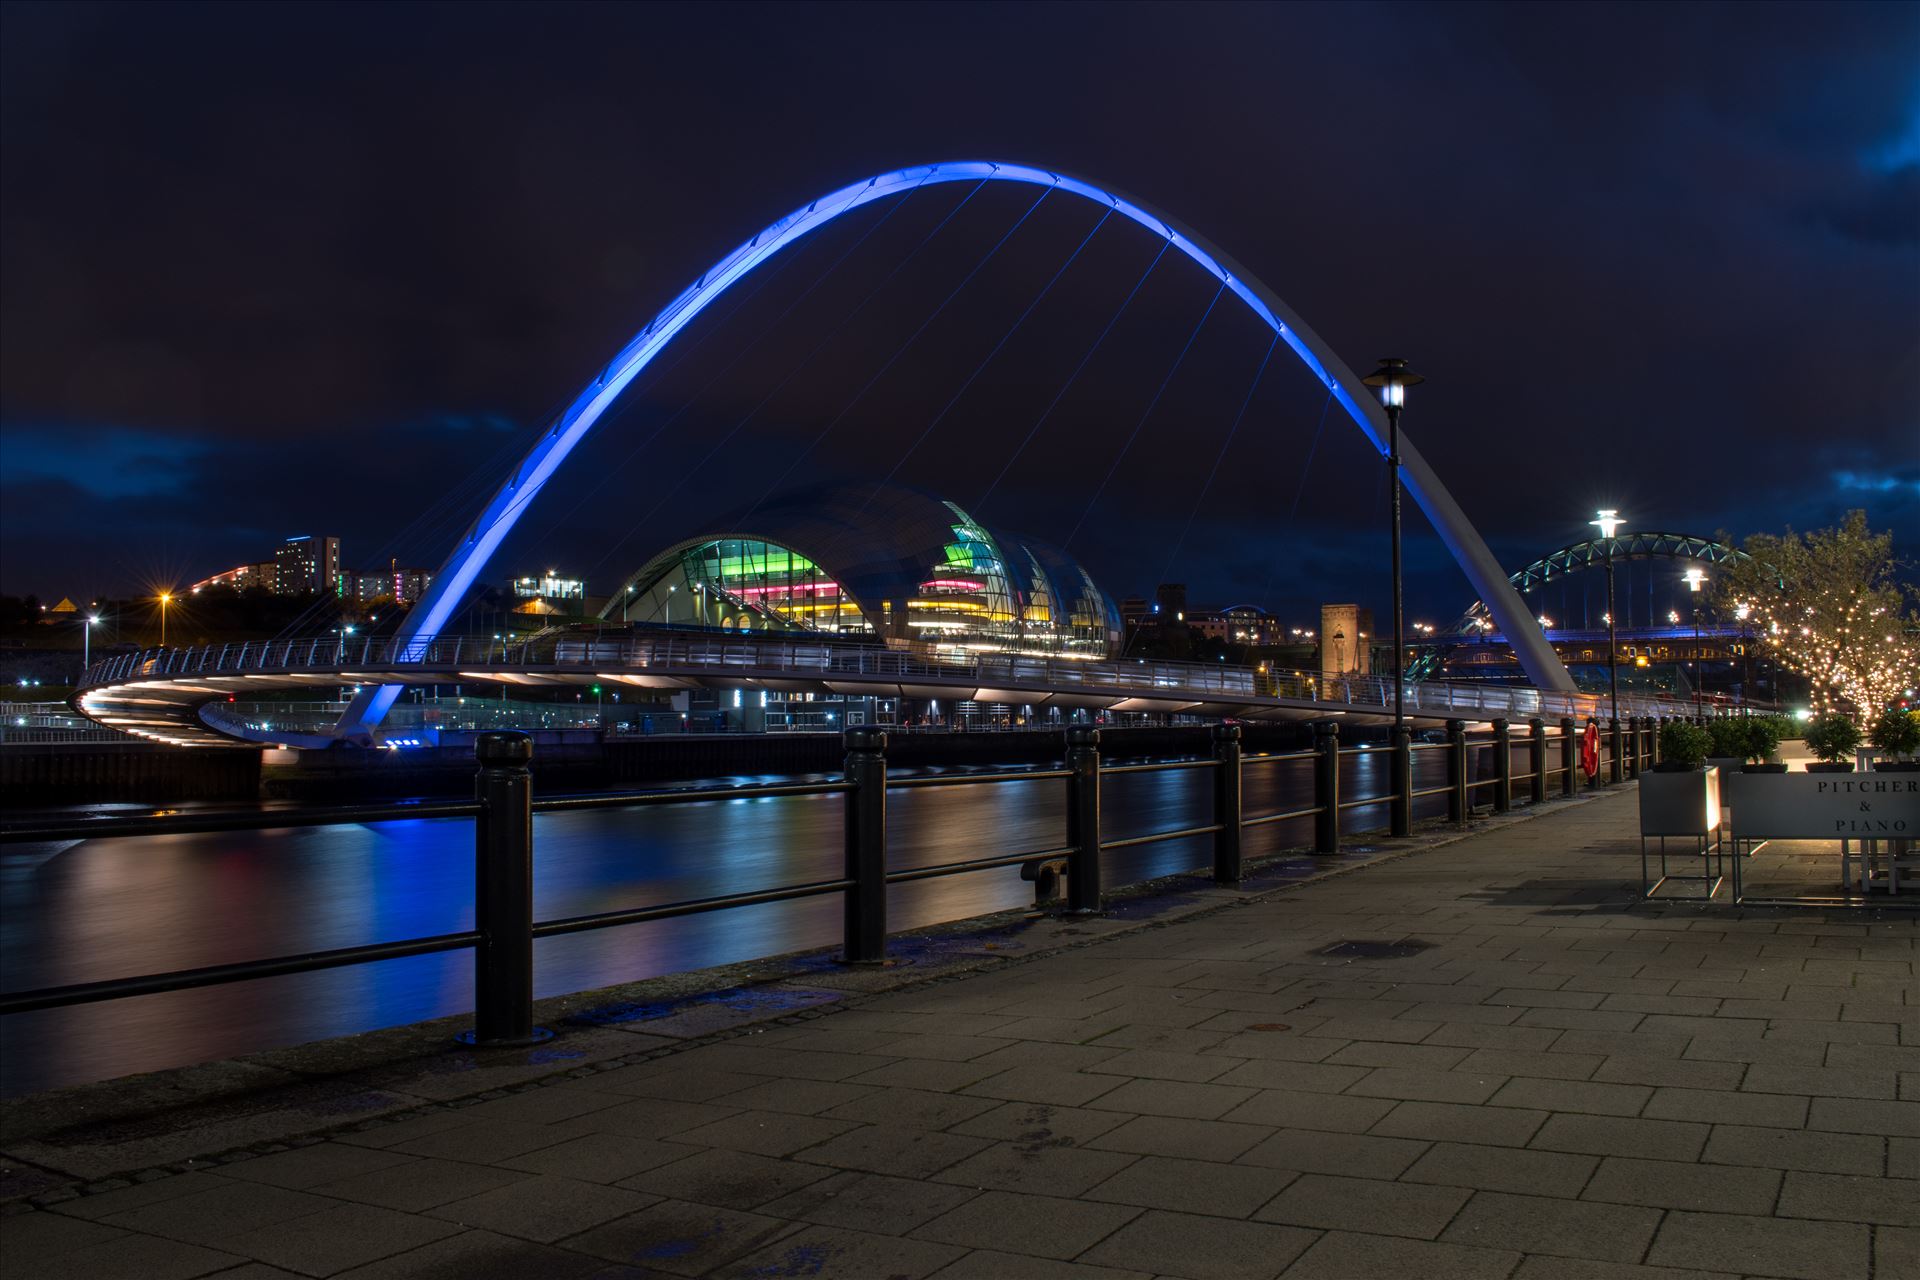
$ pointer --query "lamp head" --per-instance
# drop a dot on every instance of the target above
(1608, 523)
(1392, 379)
(1696, 578)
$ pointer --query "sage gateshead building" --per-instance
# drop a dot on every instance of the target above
(895, 565)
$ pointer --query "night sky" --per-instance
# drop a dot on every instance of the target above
(282, 269)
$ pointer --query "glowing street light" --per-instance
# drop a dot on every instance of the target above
(1609, 523)
(166, 598)
(1392, 378)
(86, 641)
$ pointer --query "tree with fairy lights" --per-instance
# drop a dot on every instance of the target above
(1829, 606)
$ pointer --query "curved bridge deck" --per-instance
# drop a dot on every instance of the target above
(173, 695)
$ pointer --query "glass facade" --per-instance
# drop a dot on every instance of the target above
(910, 570)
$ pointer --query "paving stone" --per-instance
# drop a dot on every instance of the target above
(1580, 1096)
(683, 1239)
(1848, 1198)
(1171, 1098)
(545, 1106)
(1160, 1064)
(870, 1202)
(1536, 1064)
(840, 1251)
(1505, 1038)
(641, 1118)
(311, 1166)
(1300, 1077)
(1549, 1173)
(1802, 1149)
(342, 1236)
(1043, 1170)
(107, 1203)
(1542, 1267)
(1851, 1115)
(1537, 1224)
(1454, 1122)
(1050, 1084)
(419, 1184)
(1896, 1252)
(767, 1133)
(1629, 1044)
(1192, 1139)
(1720, 1106)
(890, 1149)
(1622, 1136)
(1279, 1108)
(913, 1108)
(989, 1264)
(925, 1073)
(1416, 1084)
(544, 1209)
(1672, 1184)
(471, 1255)
(1824, 1082)
(1043, 1226)
(801, 1097)
(211, 1216)
(491, 1141)
(129, 1257)
(1762, 1246)
(1346, 1154)
(1430, 1057)
(1192, 1186)
(1681, 1073)
(731, 1179)
(1344, 1255)
(1037, 1122)
(672, 1079)
(1903, 1157)
(1197, 1247)
(598, 1157)
(1365, 1205)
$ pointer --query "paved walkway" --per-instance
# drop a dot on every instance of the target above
(1530, 1081)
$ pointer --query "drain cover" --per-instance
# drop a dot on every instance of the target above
(1359, 949)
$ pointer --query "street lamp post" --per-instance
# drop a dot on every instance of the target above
(86, 643)
(1393, 378)
(671, 588)
(165, 599)
(1609, 523)
(1696, 578)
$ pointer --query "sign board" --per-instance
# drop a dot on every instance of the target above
(1825, 806)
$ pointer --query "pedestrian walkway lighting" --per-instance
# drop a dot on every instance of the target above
(1392, 379)
(165, 599)
(1609, 523)
(1696, 578)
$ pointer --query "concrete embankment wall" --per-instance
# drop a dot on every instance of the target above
(37, 776)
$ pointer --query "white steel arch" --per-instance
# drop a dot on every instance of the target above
(470, 556)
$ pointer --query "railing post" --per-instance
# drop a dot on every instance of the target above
(1400, 765)
(1457, 806)
(503, 894)
(1613, 751)
(1326, 787)
(1537, 758)
(1569, 758)
(866, 841)
(1630, 747)
(1083, 819)
(1502, 766)
(1653, 740)
(1226, 803)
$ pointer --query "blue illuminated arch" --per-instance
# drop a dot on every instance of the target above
(463, 567)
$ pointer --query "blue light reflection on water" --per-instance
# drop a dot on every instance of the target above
(110, 908)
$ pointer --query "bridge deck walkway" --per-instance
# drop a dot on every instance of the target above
(1534, 1077)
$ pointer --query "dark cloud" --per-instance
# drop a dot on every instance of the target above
(300, 267)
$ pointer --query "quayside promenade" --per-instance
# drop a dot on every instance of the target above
(1481, 1059)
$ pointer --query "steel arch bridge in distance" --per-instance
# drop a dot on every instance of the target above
(462, 568)
(1579, 556)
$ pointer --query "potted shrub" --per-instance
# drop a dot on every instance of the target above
(1897, 733)
(1763, 746)
(1679, 797)
(1728, 743)
(1683, 747)
(1832, 738)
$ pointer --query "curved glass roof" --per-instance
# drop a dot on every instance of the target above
(898, 564)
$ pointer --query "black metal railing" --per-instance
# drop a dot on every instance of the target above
(504, 928)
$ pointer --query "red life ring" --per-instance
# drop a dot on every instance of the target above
(1590, 749)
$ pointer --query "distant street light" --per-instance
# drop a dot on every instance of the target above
(165, 599)
(1393, 378)
(86, 641)
(1609, 523)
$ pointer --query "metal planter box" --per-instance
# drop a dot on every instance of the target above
(1680, 804)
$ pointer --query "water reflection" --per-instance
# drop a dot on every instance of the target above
(110, 908)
